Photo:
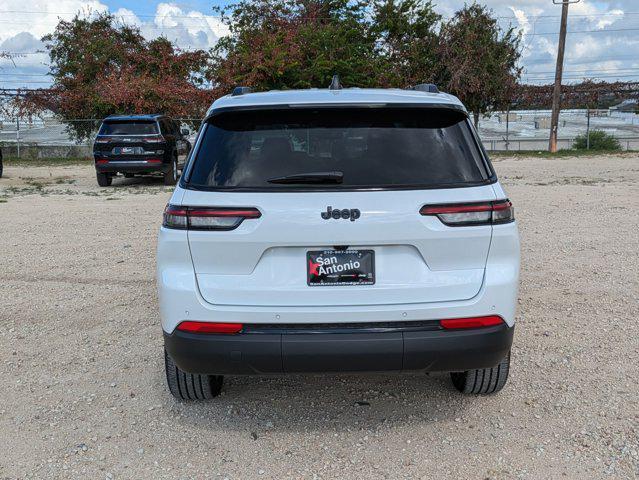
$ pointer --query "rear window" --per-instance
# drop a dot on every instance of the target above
(370, 147)
(129, 128)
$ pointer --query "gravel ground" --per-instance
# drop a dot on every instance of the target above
(85, 394)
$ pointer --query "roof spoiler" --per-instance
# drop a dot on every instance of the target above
(425, 87)
(241, 91)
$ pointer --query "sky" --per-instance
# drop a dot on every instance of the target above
(602, 42)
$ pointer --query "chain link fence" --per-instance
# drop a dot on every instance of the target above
(521, 130)
(528, 130)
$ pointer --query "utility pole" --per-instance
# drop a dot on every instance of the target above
(556, 93)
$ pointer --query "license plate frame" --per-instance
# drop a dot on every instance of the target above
(126, 151)
(328, 274)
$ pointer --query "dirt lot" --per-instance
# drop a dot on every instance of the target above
(84, 393)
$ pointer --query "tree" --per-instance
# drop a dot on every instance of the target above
(407, 41)
(283, 44)
(479, 60)
(100, 67)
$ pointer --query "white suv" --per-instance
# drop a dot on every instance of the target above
(337, 230)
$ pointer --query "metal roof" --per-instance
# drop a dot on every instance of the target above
(345, 96)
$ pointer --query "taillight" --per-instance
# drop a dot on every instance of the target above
(102, 139)
(461, 214)
(153, 139)
(210, 327)
(206, 218)
(471, 322)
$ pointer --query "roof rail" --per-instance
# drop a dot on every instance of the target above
(425, 87)
(241, 91)
(335, 83)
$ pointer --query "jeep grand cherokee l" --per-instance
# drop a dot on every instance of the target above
(343, 230)
(139, 145)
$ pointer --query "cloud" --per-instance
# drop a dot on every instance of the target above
(188, 29)
(20, 43)
(40, 18)
(610, 18)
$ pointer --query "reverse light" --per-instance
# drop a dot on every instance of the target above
(463, 214)
(206, 218)
(471, 322)
(210, 327)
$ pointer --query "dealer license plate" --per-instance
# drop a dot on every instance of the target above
(340, 267)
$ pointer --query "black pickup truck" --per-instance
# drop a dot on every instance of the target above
(140, 145)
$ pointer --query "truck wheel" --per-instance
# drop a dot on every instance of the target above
(171, 176)
(190, 386)
(104, 179)
(482, 380)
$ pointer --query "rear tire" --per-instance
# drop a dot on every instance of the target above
(104, 179)
(171, 176)
(482, 381)
(191, 386)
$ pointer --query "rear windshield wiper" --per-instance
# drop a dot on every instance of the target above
(312, 177)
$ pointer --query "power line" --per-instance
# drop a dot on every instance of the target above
(571, 32)
(583, 77)
(602, 70)
(44, 12)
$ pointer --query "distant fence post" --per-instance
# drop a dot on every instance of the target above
(18, 134)
(588, 129)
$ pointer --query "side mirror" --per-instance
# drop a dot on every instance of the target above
(186, 132)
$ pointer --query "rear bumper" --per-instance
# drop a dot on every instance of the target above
(131, 166)
(406, 346)
(180, 298)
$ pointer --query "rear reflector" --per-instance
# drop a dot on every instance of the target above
(206, 218)
(101, 161)
(471, 322)
(484, 213)
(208, 327)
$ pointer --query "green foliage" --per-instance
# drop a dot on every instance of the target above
(599, 140)
(100, 67)
(479, 60)
(284, 44)
(406, 41)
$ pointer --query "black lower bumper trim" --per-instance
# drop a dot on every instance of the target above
(124, 167)
(316, 350)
